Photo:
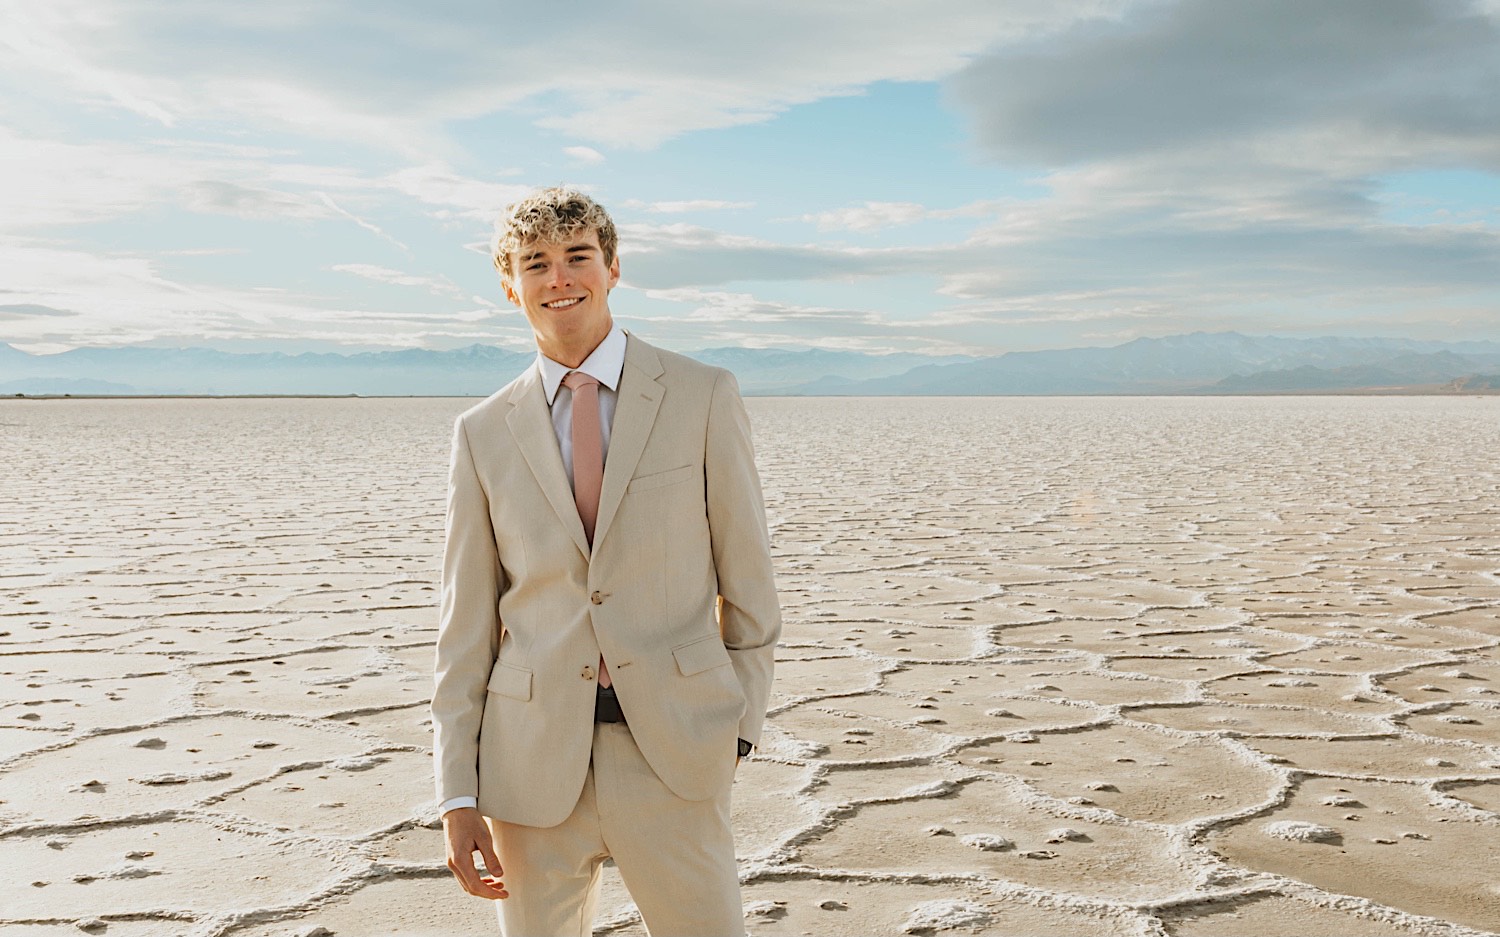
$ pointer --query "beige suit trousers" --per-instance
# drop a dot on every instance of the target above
(675, 856)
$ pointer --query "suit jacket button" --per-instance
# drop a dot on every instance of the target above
(588, 673)
(597, 599)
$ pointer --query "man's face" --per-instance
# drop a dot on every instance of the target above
(564, 289)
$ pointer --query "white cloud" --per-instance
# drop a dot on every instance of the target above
(1142, 240)
(653, 73)
(718, 318)
(126, 299)
(873, 216)
(48, 183)
(438, 285)
(369, 226)
(679, 255)
(455, 195)
(117, 298)
(28, 310)
(584, 154)
(37, 35)
(685, 206)
(216, 196)
(719, 306)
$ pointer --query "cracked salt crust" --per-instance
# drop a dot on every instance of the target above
(1005, 618)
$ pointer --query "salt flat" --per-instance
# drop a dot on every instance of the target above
(1050, 666)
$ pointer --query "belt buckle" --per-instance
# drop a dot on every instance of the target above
(607, 706)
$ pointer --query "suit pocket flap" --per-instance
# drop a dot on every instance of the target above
(510, 680)
(659, 479)
(701, 655)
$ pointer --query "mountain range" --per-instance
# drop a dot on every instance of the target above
(474, 371)
(1196, 363)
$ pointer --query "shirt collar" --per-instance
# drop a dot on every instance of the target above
(604, 364)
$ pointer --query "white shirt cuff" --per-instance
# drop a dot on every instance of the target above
(453, 803)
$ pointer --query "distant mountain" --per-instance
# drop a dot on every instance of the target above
(1202, 362)
(1478, 383)
(1400, 371)
(10, 356)
(773, 371)
(1199, 363)
(474, 371)
(79, 386)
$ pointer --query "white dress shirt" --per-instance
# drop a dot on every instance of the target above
(605, 364)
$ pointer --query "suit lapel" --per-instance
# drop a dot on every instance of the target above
(635, 412)
(530, 422)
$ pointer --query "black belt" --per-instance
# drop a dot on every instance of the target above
(607, 706)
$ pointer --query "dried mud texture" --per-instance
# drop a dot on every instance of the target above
(1135, 667)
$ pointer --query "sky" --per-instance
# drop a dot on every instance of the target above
(943, 177)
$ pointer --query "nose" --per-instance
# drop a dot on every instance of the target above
(559, 276)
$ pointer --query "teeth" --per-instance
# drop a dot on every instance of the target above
(562, 303)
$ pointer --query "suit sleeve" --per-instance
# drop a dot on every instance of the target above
(750, 616)
(469, 626)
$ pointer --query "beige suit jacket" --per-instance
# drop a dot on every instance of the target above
(527, 610)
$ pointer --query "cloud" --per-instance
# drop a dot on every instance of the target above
(689, 336)
(216, 196)
(439, 285)
(682, 255)
(367, 225)
(691, 73)
(122, 297)
(49, 183)
(1215, 163)
(116, 298)
(737, 318)
(126, 299)
(27, 310)
(873, 216)
(718, 306)
(37, 35)
(654, 73)
(684, 206)
(1108, 242)
(584, 154)
(1392, 79)
(456, 196)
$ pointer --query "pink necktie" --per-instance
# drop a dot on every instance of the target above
(588, 461)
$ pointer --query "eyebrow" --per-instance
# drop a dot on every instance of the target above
(575, 249)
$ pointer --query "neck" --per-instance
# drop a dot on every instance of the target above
(573, 350)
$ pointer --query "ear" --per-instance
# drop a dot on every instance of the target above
(510, 293)
(614, 271)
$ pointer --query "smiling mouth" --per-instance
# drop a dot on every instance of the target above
(563, 303)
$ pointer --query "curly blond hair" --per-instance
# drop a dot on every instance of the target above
(550, 215)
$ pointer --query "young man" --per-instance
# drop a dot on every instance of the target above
(608, 613)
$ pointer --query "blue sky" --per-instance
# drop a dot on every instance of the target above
(941, 177)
